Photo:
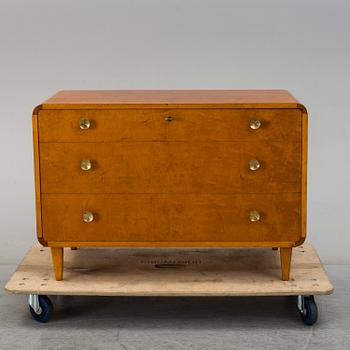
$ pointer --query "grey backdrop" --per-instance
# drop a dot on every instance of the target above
(299, 45)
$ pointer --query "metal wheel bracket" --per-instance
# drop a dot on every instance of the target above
(33, 301)
(300, 304)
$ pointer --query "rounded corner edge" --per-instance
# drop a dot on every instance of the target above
(300, 241)
(302, 108)
(37, 109)
(42, 241)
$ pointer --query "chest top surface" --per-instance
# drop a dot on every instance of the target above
(171, 98)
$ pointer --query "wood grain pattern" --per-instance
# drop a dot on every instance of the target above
(37, 176)
(179, 183)
(187, 125)
(171, 218)
(304, 178)
(286, 258)
(67, 99)
(165, 244)
(207, 272)
(57, 261)
(171, 167)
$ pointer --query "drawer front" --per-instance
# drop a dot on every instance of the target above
(171, 218)
(102, 126)
(170, 167)
(183, 125)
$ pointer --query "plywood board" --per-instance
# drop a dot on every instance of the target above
(170, 272)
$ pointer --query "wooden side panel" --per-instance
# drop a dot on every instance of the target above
(187, 125)
(304, 178)
(172, 218)
(171, 167)
(37, 176)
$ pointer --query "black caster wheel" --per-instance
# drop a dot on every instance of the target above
(45, 310)
(308, 310)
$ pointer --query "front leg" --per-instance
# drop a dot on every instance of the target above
(286, 257)
(57, 260)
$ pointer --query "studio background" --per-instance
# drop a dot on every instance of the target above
(302, 46)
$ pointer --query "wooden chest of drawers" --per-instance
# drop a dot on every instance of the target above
(201, 168)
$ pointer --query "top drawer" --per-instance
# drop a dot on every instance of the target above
(169, 125)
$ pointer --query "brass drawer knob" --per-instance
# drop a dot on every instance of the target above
(84, 124)
(254, 164)
(169, 118)
(254, 124)
(88, 216)
(254, 216)
(85, 164)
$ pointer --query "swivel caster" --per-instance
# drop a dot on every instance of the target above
(40, 307)
(308, 309)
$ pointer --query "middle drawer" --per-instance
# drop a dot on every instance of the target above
(170, 167)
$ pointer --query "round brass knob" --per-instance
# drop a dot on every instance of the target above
(254, 124)
(169, 118)
(88, 216)
(254, 164)
(84, 124)
(85, 164)
(254, 216)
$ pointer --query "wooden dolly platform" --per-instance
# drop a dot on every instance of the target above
(170, 272)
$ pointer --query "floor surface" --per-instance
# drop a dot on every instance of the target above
(178, 323)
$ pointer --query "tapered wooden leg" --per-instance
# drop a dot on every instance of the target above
(57, 260)
(286, 258)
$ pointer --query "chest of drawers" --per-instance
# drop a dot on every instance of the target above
(182, 168)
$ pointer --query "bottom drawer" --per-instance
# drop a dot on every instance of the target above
(171, 218)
